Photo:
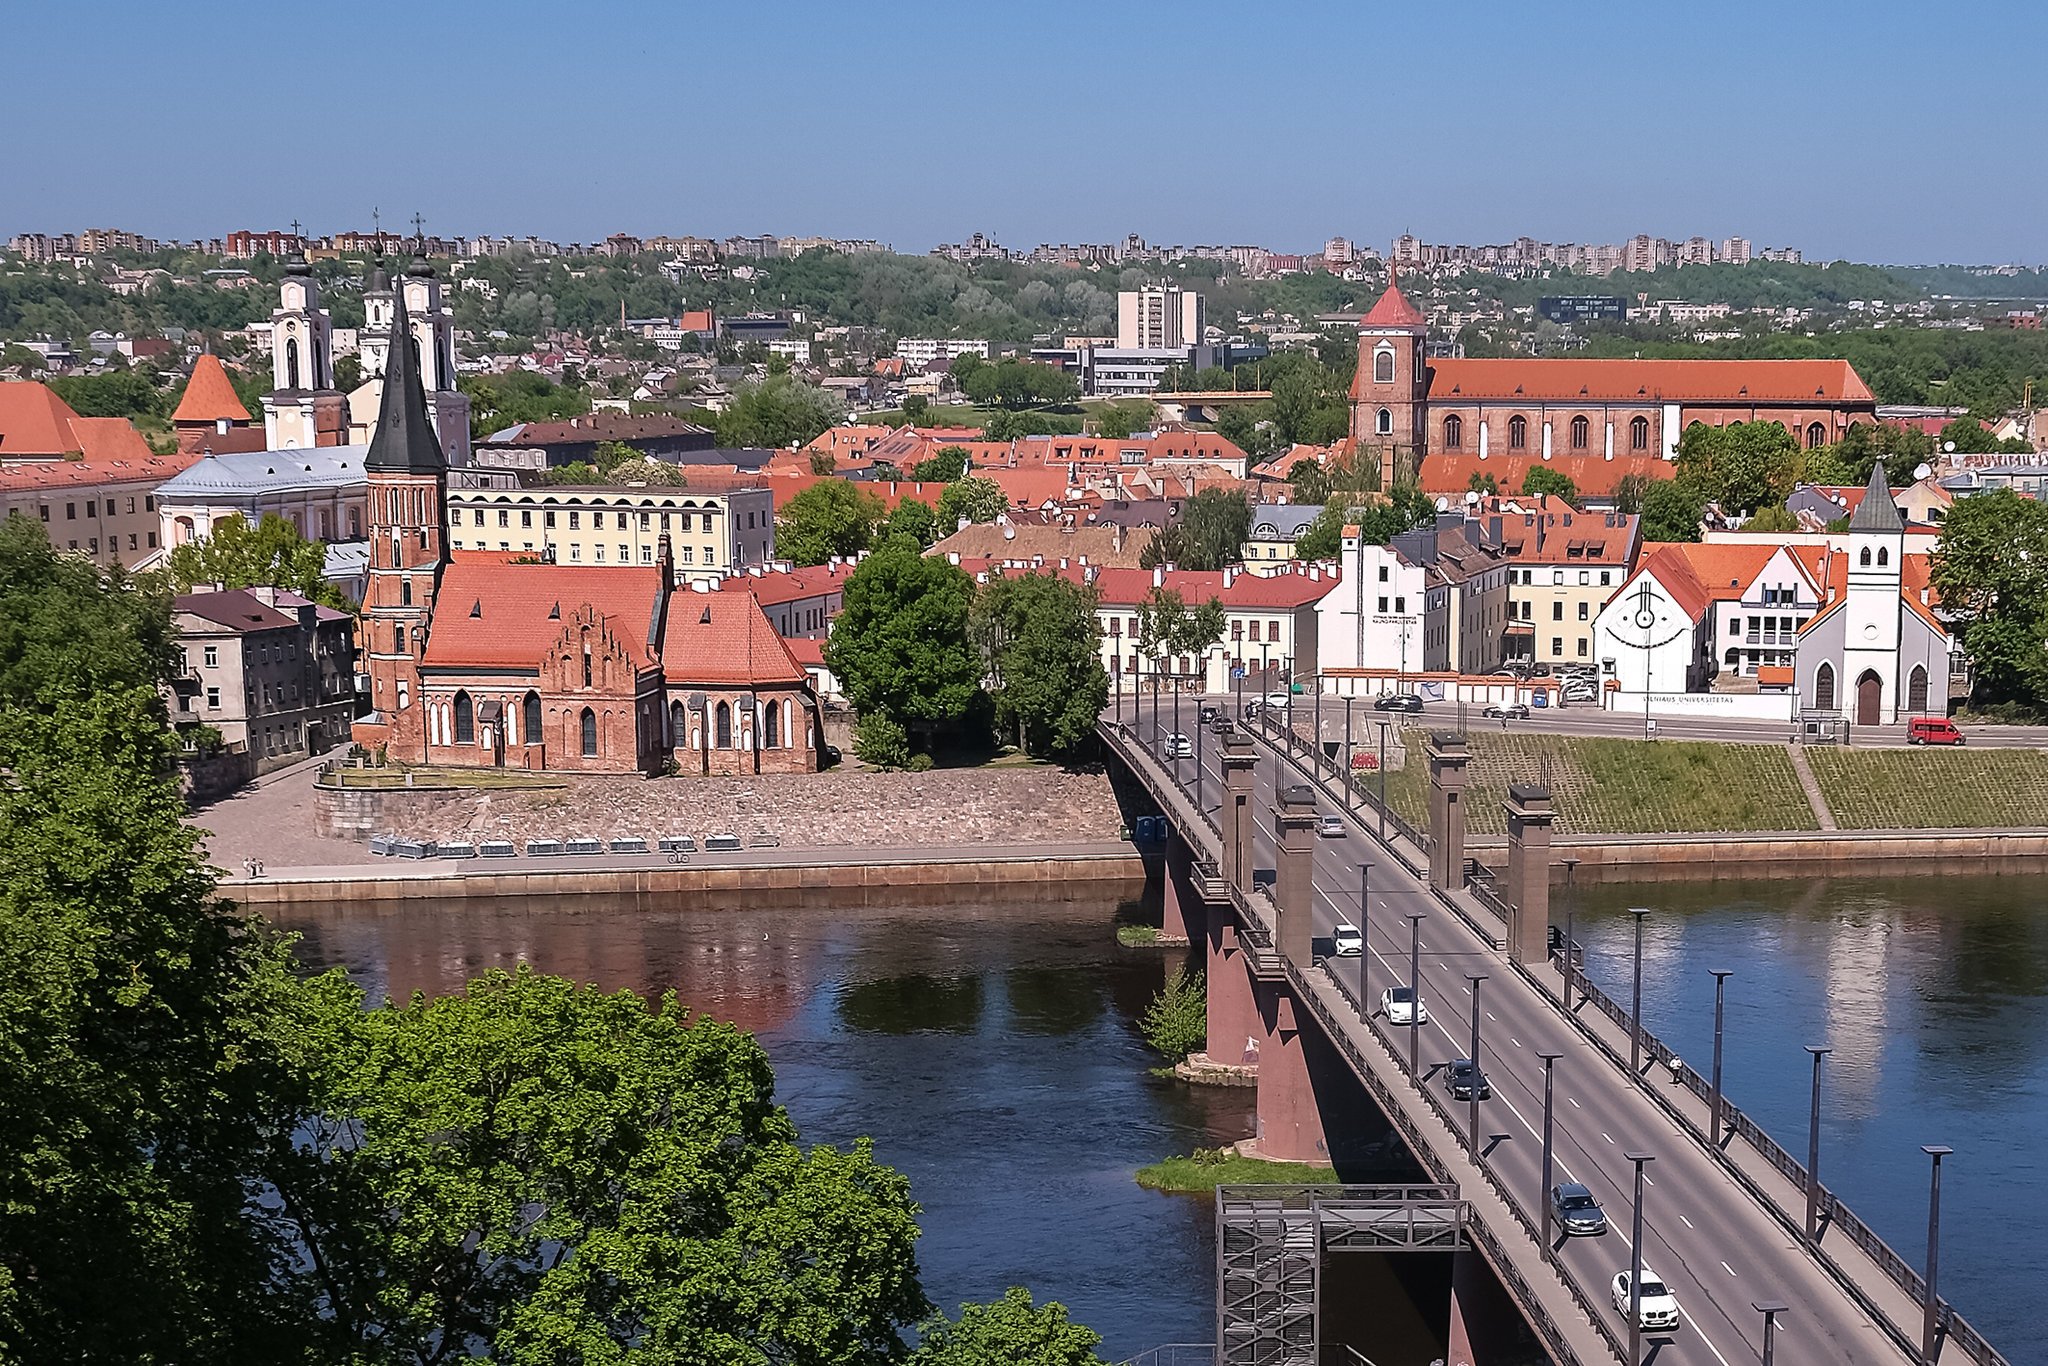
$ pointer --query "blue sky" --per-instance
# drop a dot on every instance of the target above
(1874, 131)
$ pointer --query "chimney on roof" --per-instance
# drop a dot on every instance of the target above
(1229, 575)
(953, 557)
(1159, 576)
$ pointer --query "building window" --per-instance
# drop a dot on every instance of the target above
(575, 520)
(1824, 687)
(1639, 434)
(1557, 646)
(213, 656)
(213, 699)
(1383, 365)
(707, 524)
(589, 733)
(526, 518)
(724, 726)
(1583, 609)
(1863, 559)
(1454, 433)
(532, 710)
(405, 592)
(1557, 611)
(1384, 424)
(1580, 431)
(586, 668)
(1582, 647)
(1883, 556)
(771, 726)
(1518, 432)
(1816, 436)
(465, 720)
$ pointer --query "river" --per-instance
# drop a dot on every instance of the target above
(989, 1049)
(1933, 994)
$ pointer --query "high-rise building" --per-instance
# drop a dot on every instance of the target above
(1160, 317)
(1735, 251)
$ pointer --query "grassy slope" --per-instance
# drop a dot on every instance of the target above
(1202, 1178)
(1911, 789)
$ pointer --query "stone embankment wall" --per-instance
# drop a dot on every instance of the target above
(1678, 858)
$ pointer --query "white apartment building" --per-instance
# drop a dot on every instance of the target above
(712, 532)
(1152, 319)
(1373, 617)
(917, 352)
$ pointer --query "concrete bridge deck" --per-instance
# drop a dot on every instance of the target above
(1722, 1229)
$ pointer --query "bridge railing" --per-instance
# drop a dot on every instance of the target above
(1290, 739)
(1902, 1273)
(1175, 1354)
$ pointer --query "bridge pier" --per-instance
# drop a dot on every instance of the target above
(1447, 759)
(1182, 914)
(1290, 1114)
(1528, 891)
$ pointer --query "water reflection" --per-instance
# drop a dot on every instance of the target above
(1931, 991)
(988, 1048)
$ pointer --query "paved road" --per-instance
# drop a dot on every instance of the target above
(1709, 1239)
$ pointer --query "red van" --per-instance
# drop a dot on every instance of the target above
(1932, 730)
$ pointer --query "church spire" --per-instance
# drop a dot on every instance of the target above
(1877, 511)
(405, 441)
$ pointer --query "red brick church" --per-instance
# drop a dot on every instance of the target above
(480, 660)
(1594, 420)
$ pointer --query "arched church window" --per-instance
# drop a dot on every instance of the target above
(724, 733)
(589, 733)
(771, 726)
(586, 668)
(1580, 430)
(1816, 436)
(1454, 432)
(1383, 365)
(1916, 689)
(319, 366)
(1824, 687)
(465, 720)
(1518, 433)
(1883, 556)
(532, 711)
(1863, 559)
(1385, 422)
(1639, 434)
(678, 724)
(291, 363)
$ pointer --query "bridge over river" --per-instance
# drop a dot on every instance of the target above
(1727, 1219)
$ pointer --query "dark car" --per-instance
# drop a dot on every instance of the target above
(830, 755)
(1576, 1211)
(1513, 711)
(1208, 714)
(1461, 1077)
(1400, 701)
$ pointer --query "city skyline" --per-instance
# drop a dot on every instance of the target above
(646, 124)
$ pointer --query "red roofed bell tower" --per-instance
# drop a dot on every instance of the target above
(408, 477)
(1390, 393)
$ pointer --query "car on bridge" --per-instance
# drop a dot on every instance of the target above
(1576, 1211)
(1347, 941)
(1177, 746)
(1659, 1307)
(1513, 711)
(1397, 701)
(1402, 1007)
(1461, 1078)
(1330, 827)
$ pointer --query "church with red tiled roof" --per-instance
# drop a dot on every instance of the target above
(1446, 421)
(211, 410)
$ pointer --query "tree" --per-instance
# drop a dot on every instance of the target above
(1966, 435)
(272, 555)
(1488, 485)
(831, 517)
(942, 466)
(644, 470)
(1772, 517)
(1211, 533)
(1177, 1021)
(1119, 420)
(899, 644)
(17, 354)
(880, 742)
(916, 409)
(137, 1062)
(1990, 568)
(1168, 626)
(1741, 466)
(1629, 491)
(1040, 645)
(823, 462)
(117, 393)
(1384, 516)
(1312, 483)
(534, 1170)
(348, 373)
(1323, 539)
(1672, 511)
(779, 411)
(976, 498)
(577, 474)
(1541, 479)
(1013, 383)
(1009, 1332)
(1847, 462)
(913, 518)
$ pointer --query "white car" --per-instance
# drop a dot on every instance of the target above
(1401, 1007)
(1279, 700)
(1178, 746)
(1659, 1305)
(1348, 942)
(1330, 827)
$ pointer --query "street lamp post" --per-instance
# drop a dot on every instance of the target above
(1415, 919)
(1571, 903)
(1348, 802)
(1175, 676)
(1813, 1147)
(1383, 782)
(1721, 976)
(1635, 1014)
(1549, 1060)
(1932, 1322)
(1770, 1309)
(1477, 1072)
(1364, 934)
(1635, 1267)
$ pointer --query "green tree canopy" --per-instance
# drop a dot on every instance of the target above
(913, 518)
(1541, 479)
(1039, 639)
(645, 470)
(1383, 517)
(777, 412)
(1741, 466)
(1990, 568)
(1772, 517)
(899, 644)
(1167, 625)
(273, 554)
(1211, 533)
(1014, 383)
(831, 517)
(1966, 435)
(1009, 1332)
(1629, 491)
(116, 393)
(1672, 511)
(942, 466)
(976, 498)
(1118, 420)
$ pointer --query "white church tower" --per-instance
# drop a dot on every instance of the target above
(430, 320)
(304, 408)
(1870, 643)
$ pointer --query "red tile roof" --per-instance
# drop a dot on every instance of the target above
(722, 640)
(775, 587)
(34, 421)
(83, 474)
(489, 612)
(1393, 310)
(209, 395)
(1730, 383)
(238, 609)
(1592, 474)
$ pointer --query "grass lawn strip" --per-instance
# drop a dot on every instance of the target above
(1202, 1177)
(1933, 789)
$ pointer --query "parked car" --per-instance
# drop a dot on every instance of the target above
(1402, 1007)
(1178, 746)
(1207, 715)
(1330, 827)
(1932, 730)
(1280, 700)
(829, 755)
(1576, 1211)
(1463, 1073)
(1347, 941)
(1399, 701)
(1513, 711)
(1659, 1307)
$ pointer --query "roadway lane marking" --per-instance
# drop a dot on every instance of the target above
(1683, 1220)
(1515, 1041)
(1489, 1015)
(1727, 1268)
(1575, 1103)
(1603, 1134)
